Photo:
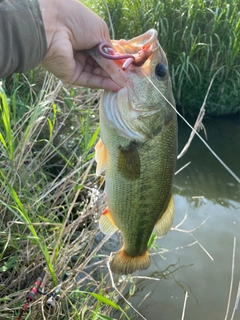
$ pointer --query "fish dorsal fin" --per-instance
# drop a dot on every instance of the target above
(129, 161)
(106, 222)
(100, 157)
(164, 224)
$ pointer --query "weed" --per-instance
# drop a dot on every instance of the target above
(199, 38)
(47, 200)
(49, 193)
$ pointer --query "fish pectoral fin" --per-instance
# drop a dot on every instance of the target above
(165, 222)
(129, 161)
(100, 157)
(106, 222)
(122, 263)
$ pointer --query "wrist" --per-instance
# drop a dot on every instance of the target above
(50, 12)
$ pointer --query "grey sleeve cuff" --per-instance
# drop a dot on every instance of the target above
(23, 41)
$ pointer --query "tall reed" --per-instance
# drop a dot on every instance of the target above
(49, 199)
(199, 38)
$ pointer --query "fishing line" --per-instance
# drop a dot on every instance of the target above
(200, 137)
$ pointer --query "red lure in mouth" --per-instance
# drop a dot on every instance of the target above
(109, 53)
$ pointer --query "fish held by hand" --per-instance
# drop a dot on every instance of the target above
(138, 147)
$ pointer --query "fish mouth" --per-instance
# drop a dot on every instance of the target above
(147, 40)
(126, 55)
(136, 51)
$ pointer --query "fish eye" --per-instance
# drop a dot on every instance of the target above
(160, 70)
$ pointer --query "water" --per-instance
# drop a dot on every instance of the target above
(203, 190)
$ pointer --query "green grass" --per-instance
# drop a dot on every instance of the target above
(50, 200)
(47, 203)
(50, 196)
(199, 38)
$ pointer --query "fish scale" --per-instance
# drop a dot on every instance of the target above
(137, 151)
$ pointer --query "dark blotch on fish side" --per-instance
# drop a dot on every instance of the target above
(129, 161)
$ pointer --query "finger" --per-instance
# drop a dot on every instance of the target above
(88, 64)
(91, 80)
(89, 73)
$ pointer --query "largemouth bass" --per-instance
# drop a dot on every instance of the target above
(138, 147)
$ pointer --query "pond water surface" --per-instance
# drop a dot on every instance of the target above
(203, 190)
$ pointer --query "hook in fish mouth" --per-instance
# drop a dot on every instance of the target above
(109, 53)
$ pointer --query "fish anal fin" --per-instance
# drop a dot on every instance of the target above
(125, 264)
(100, 157)
(106, 222)
(129, 161)
(165, 222)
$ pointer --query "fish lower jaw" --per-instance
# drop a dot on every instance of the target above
(125, 264)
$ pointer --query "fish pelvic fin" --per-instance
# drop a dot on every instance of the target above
(106, 222)
(100, 157)
(165, 222)
(122, 263)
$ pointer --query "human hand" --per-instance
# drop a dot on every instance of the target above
(71, 28)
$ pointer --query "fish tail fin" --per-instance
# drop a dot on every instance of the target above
(122, 263)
